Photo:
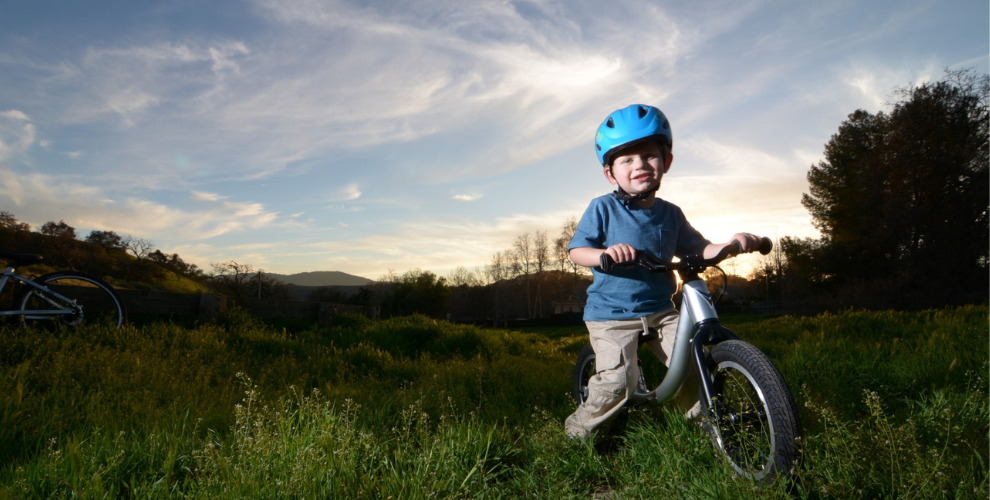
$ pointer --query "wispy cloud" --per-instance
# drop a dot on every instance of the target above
(17, 133)
(467, 197)
(203, 196)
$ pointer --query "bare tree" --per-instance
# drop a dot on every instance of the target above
(541, 255)
(770, 269)
(524, 253)
(497, 272)
(462, 277)
(561, 244)
(231, 277)
(139, 247)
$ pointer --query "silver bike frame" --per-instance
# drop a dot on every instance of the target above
(696, 307)
(46, 293)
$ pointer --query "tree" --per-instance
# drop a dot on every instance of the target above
(770, 271)
(469, 298)
(8, 221)
(175, 264)
(231, 278)
(420, 292)
(59, 230)
(109, 240)
(541, 255)
(497, 272)
(562, 242)
(524, 252)
(264, 286)
(901, 200)
(62, 239)
(139, 247)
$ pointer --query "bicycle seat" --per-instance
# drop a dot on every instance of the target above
(21, 258)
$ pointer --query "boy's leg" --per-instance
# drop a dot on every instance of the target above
(688, 398)
(615, 344)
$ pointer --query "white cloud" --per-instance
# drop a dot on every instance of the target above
(17, 133)
(350, 192)
(14, 114)
(83, 205)
(203, 196)
(10, 186)
(467, 197)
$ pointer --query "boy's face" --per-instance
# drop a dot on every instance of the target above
(639, 168)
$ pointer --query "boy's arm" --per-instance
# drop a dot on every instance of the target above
(749, 243)
(591, 257)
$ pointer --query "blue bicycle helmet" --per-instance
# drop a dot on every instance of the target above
(631, 125)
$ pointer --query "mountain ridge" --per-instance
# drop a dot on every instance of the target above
(322, 278)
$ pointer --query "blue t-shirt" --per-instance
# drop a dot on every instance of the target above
(631, 293)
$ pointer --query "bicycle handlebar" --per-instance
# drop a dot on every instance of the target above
(695, 262)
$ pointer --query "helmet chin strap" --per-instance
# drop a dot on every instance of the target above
(630, 199)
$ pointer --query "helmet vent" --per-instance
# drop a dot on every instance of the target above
(642, 111)
(610, 123)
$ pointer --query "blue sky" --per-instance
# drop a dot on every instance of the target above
(304, 135)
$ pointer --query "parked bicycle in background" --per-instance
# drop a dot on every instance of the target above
(59, 300)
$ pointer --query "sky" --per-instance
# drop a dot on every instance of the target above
(363, 137)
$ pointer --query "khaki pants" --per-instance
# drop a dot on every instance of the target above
(615, 344)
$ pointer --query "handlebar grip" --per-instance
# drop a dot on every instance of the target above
(765, 245)
(733, 248)
(605, 262)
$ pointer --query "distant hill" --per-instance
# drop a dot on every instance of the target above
(322, 278)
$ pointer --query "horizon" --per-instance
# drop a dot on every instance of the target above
(363, 137)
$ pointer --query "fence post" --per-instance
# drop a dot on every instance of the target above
(210, 306)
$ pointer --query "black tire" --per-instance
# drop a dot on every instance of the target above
(753, 421)
(583, 371)
(92, 298)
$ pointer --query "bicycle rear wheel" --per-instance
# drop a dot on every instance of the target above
(753, 420)
(88, 297)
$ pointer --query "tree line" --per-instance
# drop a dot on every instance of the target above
(128, 261)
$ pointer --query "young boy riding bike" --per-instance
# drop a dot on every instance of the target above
(634, 146)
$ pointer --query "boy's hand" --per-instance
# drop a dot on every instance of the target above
(621, 252)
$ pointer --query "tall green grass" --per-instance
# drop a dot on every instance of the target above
(894, 405)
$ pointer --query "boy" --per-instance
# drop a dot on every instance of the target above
(634, 146)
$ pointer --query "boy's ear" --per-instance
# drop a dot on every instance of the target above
(666, 164)
(608, 175)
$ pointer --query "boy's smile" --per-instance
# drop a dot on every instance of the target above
(638, 169)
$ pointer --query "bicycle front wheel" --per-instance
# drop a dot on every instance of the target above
(69, 299)
(753, 419)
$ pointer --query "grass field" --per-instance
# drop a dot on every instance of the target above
(894, 405)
